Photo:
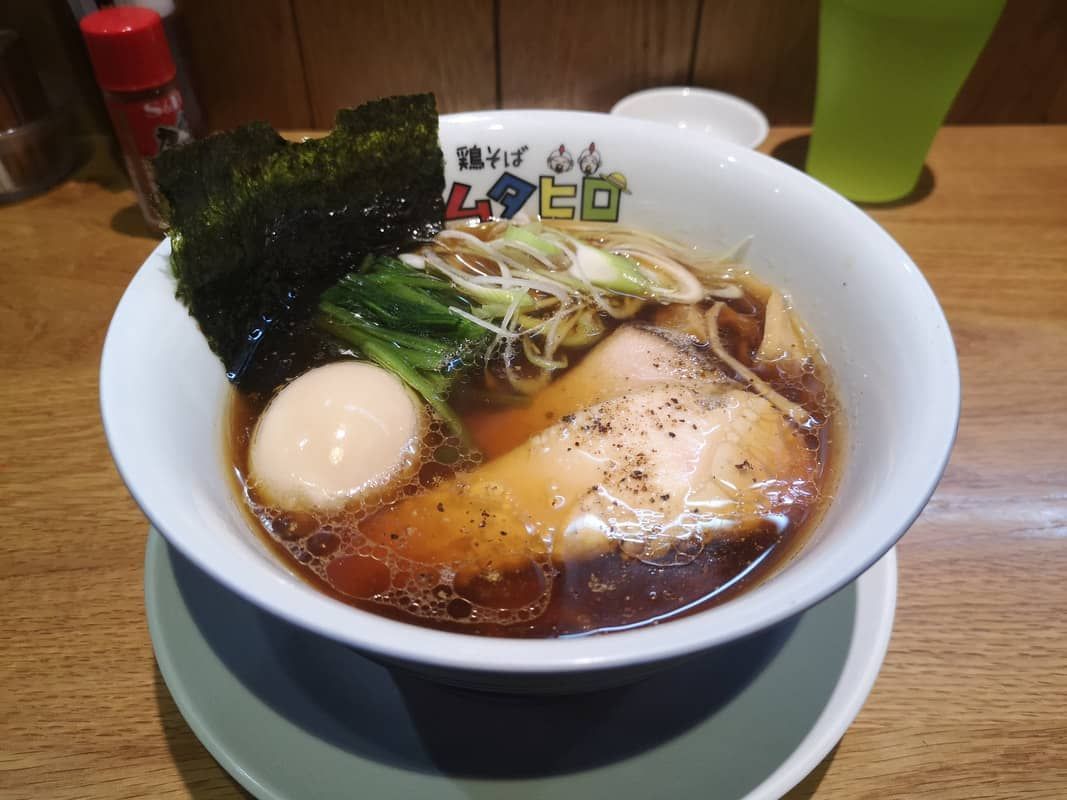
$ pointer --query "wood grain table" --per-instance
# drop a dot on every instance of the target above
(972, 702)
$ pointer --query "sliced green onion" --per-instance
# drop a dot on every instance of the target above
(514, 233)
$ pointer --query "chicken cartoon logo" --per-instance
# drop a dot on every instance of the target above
(560, 161)
(589, 160)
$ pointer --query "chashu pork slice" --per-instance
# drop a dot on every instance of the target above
(631, 357)
(657, 468)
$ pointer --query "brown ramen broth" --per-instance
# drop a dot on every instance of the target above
(445, 547)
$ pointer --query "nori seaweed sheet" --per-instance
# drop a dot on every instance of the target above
(260, 226)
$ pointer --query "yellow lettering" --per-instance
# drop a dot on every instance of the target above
(550, 191)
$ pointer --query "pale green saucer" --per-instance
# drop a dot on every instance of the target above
(292, 716)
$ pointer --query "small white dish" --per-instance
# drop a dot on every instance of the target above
(291, 715)
(717, 114)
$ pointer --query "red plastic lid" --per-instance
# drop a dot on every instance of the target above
(128, 48)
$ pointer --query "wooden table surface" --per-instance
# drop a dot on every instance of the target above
(971, 703)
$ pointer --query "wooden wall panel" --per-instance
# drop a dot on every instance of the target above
(560, 54)
(763, 51)
(245, 62)
(360, 51)
(1021, 76)
(293, 62)
(1057, 109)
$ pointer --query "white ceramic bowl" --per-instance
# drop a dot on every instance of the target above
(716, 114)
(163, 392)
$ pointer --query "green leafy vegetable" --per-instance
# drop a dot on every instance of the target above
(260, 226)
(401, 318)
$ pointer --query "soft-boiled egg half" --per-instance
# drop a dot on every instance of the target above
(336, 434)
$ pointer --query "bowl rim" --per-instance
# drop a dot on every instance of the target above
(411, 643)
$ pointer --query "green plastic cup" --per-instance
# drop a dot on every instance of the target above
(888, 72)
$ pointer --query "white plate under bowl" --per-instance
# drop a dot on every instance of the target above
(717, 114)
(295, 716)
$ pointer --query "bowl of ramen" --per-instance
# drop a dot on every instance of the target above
(528, 401)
